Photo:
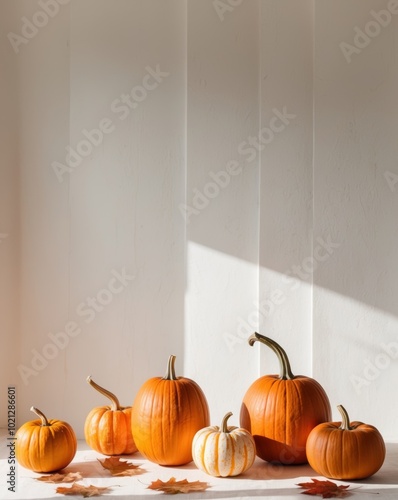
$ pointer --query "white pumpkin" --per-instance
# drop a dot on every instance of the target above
(224, 452)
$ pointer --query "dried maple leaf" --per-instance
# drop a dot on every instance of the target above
(172, 486)
(80, 489)
(69, 477)
(119, 467)
(327, 489)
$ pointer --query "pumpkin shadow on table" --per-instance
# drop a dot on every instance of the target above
(265, 470)
(263, 492)
(262, 470)
(93, 469)
(388, 473)
(86, 469)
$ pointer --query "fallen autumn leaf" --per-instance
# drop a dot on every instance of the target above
(80, 489)
(327, 489)
(172, 486)
(119, 467)
(68, 477)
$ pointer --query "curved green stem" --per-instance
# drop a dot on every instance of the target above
(286, 372)
(170, 374)
(224, 427)
(115, 405)
(345, 423)
(43, 418)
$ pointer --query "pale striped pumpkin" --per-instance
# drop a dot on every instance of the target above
(225, 451)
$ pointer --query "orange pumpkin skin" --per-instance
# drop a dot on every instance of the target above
(45, 448)
(107, 429)
(354, 452)
(167, 413)
(281, 411)
(280, 414)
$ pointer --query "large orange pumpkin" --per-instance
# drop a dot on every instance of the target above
(167, 413)
(107, 429)
(45, 445)
(344, 450)
(281, 410)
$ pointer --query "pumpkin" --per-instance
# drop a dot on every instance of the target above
(281, 410)
(107, 429)
(167, 413)
(45, 445)
(344, 450)
(225, 451)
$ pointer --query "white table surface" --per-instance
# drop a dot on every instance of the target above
(262, 480)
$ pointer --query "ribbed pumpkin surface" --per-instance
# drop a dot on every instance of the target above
(350, 453)
(109, 431)
(45, 448)
(281, 413)
(166, 416)
(224, 452)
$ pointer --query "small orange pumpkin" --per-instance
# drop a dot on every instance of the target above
(223, 451)
(344, 450)
(107, 429)
(45, 445)
(167, 413)
(280, 411)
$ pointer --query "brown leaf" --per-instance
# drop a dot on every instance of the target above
(172, 486)
(327, 489)
(119, 467)
(69, 477)
(80, 489)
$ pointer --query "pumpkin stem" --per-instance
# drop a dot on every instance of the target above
(43, 418)
(170, 374)
(286, 372)
(115, 406)
(345, 424)
(224, 427)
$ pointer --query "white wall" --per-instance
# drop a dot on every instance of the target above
(355, 307)
(222, 238)
(9, 220)
(286, 181)
(145, 200)
(43, 129)
(123, 198)
(116, 212)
